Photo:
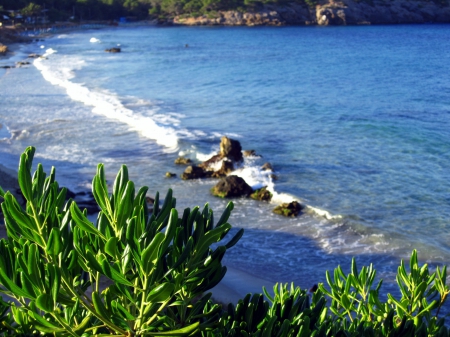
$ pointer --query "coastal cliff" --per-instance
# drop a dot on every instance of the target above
(348, 12)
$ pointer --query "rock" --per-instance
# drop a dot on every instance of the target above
(250, 153)
(227, 167)
(193, 172)
(113, 50)
(22, 63)
(262, 194)
(291, 209)
(34, 56)
(3, 49)
(230, 149)
(182, 161)
(6, 67)
(211, 162)
(170, 175)
(274, 177)
(231, 186)
(267, 167)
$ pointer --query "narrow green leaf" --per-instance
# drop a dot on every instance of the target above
(45, 302)
(24, 173)
(111, 246)
(83, 223)
(161, 293)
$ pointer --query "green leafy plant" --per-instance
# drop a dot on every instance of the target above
(130, 274)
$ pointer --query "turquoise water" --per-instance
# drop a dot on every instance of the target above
(355, 120)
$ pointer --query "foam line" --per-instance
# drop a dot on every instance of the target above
(103, 103)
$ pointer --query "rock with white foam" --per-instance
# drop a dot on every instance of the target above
(231, 187)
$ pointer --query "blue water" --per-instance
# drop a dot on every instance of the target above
(355, 121)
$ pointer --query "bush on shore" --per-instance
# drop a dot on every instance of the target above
(136, 273)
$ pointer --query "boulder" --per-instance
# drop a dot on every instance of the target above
(291, 209)
(262, 194)
(182, 161)
(227, 167)
(231, 149)
(193, 172)
(231, 186)
(113, 50)
(211, 162)
(170, 175)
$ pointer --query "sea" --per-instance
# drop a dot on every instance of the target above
(354, 120)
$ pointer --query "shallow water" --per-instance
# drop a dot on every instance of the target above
(355, 121)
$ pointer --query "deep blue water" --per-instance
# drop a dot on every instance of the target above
(355, 120)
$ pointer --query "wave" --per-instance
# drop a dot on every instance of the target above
(60, 72)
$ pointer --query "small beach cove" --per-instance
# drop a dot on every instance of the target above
(74, 139)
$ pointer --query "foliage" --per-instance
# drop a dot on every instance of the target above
(139, 274)
(131, 274)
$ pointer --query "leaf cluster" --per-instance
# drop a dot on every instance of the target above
(140, 273)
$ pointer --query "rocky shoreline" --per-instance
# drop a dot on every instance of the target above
(222, 165)
(348, 12)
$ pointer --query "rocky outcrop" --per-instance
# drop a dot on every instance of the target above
(170, 175)
(329, 12)
(262, 194)
(193, 172)
(291, 209)
(230, 150)
(226, 168)
(231, 186)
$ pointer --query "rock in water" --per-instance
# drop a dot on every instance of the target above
(193, 172)
(262, 194)
(230, 149)
(290, 209)
(231, 186)
(113, 50)
(227, 167)
(170, 175)
(182, 161)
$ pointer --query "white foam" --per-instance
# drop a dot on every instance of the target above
(94, 40)
(323, 213)
(103, 102)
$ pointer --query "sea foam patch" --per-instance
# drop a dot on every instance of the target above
(61, 71)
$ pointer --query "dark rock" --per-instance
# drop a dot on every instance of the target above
(262, 194)
(182, 161)
(193, 172)
(291, 209)
(34, 56)
(274, 177)
(231, 186)
(6, 67)
(267, 167)
(113, 50)
(206, 165)
(22, 63)
(230, 149)
(227, 167)
(170, 175)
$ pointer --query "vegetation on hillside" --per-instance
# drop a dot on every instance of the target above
(63, 10)
(137, 272)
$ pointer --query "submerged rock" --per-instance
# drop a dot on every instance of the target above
(113, 50)
(183, 161)
(170, 175)
(262, 194)
(231, 186)
(291, 209)
(267, 167)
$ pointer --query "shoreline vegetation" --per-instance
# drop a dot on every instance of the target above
(21, 18)
(163, 265)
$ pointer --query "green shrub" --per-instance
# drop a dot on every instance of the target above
(133, 273)
(139, 274)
